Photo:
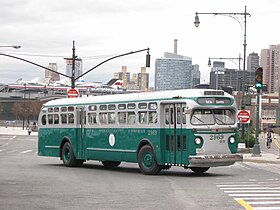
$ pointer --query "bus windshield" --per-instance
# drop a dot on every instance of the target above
(212, 116)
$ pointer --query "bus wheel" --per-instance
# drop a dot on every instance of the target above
(199, 170)
(147, 162)
(68, 157)
(111, 164)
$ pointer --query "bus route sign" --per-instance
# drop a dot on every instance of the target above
(243, 116)
(72, 93)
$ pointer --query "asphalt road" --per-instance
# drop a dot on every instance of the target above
(31, 182)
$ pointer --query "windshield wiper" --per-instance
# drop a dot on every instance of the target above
(200, 120)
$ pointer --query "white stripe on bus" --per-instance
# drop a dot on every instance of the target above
(111, 150)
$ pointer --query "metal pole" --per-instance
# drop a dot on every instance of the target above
(256, 148)
(73, 66)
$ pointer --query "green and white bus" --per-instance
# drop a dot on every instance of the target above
(191, 128)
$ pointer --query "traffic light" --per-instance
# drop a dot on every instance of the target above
(259, 78)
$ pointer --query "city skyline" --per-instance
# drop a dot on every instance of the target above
(110, 28)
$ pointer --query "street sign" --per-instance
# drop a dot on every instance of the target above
(243, 116)
(72, 93)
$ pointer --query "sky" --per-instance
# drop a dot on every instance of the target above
(46, 29)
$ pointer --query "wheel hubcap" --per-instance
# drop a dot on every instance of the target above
(67, 155)
(148, 160)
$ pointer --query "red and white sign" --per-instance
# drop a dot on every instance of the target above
(72, 93)
(243, 116)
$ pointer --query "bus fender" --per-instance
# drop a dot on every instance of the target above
(64, 140)
(146, 141)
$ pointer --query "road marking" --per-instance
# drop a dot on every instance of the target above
(9, 141)
(244, 204)
(1, 150)
(255, 195)
(26, 151)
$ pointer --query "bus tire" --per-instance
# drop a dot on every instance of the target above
(199, 170)
(111, 164)
(68, 156)
(147, 162)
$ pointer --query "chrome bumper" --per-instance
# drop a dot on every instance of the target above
(213, 160)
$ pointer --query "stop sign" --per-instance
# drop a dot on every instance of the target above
(243, 116)
(72, 93)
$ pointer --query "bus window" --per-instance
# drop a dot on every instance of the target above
(142, 105)
(63, 118)
(111, 106)
(181, 117)
(56, 119)
(92, 118)
(169, 116)
(70, 109)
(50, 119)
(103, 118)
(44, 121)
(122, 117)
(143, 117)
(202, 117)
(224, 116)
(50, 109)
(64, 109)
(131, 106)
(111, 117)
(56, 109)
(153, 117)
(103, 107)
(92, 108)
(131, 118)
(122, 106)
(70, 118)
(153, 106)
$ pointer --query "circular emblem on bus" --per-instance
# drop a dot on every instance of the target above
(112, 140)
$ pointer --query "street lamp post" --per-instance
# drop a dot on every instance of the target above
(234, 15)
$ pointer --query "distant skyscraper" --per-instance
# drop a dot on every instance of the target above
(253, 61)
(270, 61)
(143, 79)
(124, 75)
(78, 67)
(51, 76)
(196, 75)
(173, 71)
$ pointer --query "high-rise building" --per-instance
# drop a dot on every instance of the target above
(51, 76)
(143, 79)
(124, 75)
(173, 71)
(78, 67)
(253, 62)
(196, 75)
(270, 61)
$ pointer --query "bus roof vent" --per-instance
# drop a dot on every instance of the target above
(214, 92)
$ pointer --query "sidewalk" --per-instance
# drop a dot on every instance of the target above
(10, 130)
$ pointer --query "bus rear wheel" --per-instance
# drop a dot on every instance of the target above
(199, 170)
(147, 162)
(68, 156)
(111, 164)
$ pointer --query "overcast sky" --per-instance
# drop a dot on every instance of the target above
(45, 29)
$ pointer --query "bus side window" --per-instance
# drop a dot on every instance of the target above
(92, 118)
(70, 118)
(103, 118)
(111, 117)
(143, 117)
(43, 120)
(56, 119)
(63, 118)
(152, 117)
(131, 118)
(50, 119)
(122, 117)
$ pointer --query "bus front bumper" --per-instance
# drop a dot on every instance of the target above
(213, 160)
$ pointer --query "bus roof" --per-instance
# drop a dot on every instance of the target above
(136, 97)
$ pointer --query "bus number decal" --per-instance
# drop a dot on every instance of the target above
(152, 132)
(218, 137)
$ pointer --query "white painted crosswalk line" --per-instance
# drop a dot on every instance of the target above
(255, 194)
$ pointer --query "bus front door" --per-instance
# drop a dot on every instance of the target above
(80, 132)
(175, 134)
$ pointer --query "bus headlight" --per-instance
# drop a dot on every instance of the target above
(231, 140)
(197, 141)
